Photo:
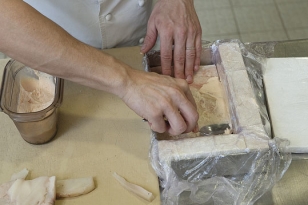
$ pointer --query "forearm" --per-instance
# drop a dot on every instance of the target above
(31, 38)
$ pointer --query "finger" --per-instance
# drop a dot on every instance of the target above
(190, 56)
(185, 117)
(190, 115)
(179, 54)
(189, 111)
(198, 45)
(177, 124)
(190, 98)
(158, 124)
(150, 38)
(166, 40)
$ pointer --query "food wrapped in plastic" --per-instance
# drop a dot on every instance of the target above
(234, 167)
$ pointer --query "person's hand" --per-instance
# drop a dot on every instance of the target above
(152, 96)
(165, 102)
(176, 23)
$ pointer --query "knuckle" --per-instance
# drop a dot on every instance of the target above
(150, 36)
(153, 114)
(166, 57)
(166, 103)
(156, 19)
(191, 55)
(167, 34)
(175, 91)
(182, 34)
(180, 59)
(156, 115)
(168, 31)
(192, 31)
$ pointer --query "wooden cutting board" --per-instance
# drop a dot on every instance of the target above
(286, 84)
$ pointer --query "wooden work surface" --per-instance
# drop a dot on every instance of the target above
(97, 135)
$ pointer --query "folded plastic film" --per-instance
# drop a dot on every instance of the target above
(240, 72)
(238, 178)
(225, 169)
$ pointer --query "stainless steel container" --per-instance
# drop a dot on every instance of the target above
(37, 127)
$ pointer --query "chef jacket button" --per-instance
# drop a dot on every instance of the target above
(141, 2)
(141, 40)
(108, 17)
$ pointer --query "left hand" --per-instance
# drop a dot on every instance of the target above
(177, 23)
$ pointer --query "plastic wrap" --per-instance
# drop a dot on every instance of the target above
(235, 168)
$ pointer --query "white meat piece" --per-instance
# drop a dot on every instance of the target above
(135, 189)
(74, 187)
(39, 191)
(20, 175)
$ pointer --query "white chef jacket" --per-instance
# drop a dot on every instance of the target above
(99, 23)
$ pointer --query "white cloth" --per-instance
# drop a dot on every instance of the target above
(99, 23)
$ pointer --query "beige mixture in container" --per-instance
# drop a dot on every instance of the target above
(210, 97)
(35, 93)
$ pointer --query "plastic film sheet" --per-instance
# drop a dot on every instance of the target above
(236, 168)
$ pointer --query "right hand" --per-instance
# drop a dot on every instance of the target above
(158, 98)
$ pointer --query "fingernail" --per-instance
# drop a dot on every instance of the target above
(189, 79)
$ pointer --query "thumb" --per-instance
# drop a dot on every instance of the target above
(150, 38)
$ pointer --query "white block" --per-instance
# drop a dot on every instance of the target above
(243, 105)
(192, 148)
(286, 84)
(231, 56)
